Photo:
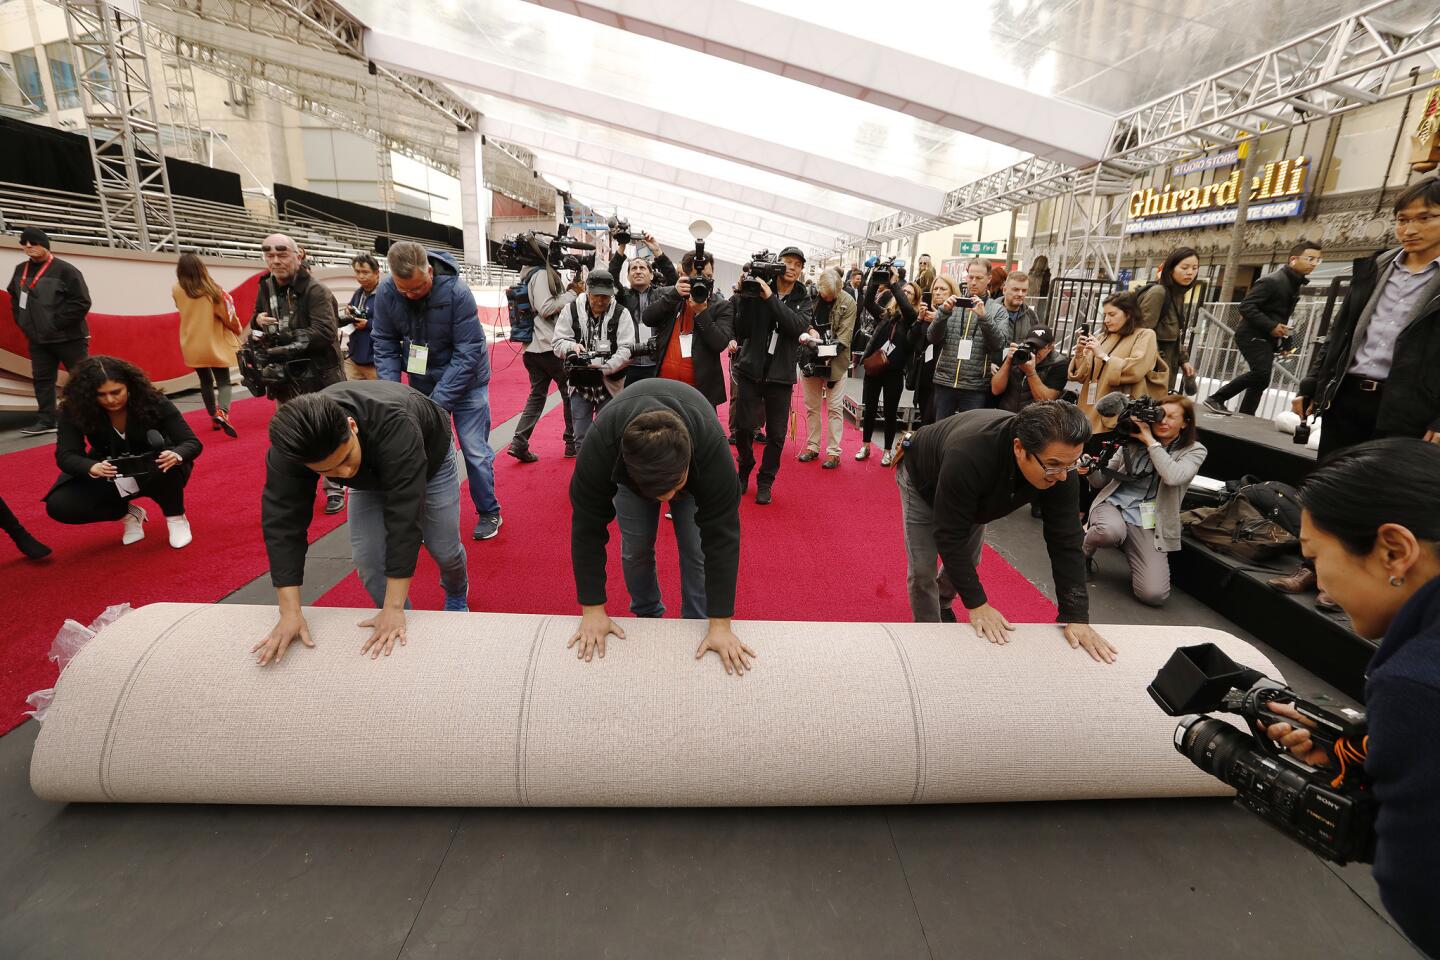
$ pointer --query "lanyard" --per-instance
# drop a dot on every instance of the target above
(1093, 378)
(25, 274)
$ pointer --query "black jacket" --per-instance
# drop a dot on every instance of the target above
(55, 304)
(1402, 700)
(664, 275)
(894, 330)
(1270, 301)
(757, 320)
(1410, 402)
(76, 452)
(714, 329)
(308, 304)
(404, 440)
(600, 471)
(964, 467)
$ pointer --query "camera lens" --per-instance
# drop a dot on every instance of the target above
(1210, 744)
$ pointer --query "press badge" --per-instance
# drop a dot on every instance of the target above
(685, 345)
(419, 358)
(963, 348)
(774, 342)
(24, 297)
(930, 353)
(1147, 514)
(888, 348)
(1091, 394)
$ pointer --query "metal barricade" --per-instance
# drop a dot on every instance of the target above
(1073, 302)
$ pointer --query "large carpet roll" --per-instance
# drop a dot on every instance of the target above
(168, 705)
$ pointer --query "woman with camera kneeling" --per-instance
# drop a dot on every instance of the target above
(120, 439)
(1142, 484)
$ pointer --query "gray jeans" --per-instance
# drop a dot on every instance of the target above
(1149, 566)
(929, 588)
(439, 530)
(639, 524)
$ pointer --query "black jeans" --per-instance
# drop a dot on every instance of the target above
(891, 384)
(92, 500)
(544, 369)
(45, 360)
(1260, 356)
(1350, 419)
(210, 378)
(774, 398)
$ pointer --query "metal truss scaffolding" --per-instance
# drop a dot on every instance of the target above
(1351, 62)
(124, 131)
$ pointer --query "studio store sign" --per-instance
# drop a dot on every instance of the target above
(1276, 191)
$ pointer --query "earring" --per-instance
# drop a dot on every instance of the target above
(1397, 581)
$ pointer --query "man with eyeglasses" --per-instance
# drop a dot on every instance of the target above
(973, 467)
(1264, 326)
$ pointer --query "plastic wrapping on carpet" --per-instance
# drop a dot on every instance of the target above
(71, 639)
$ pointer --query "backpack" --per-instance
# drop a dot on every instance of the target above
(1276, 502)
(522, 312)
(1239, 529)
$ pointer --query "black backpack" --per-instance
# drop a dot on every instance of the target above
(1276, 502)
(522, 311)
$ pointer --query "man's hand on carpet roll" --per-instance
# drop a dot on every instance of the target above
(292, 626)
(733, 654)
(595, 627)
(1083, 635)
(990, 624)
(388, 626)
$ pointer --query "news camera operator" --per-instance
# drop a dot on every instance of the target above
(768, 324)
(961, 473)
(595, 342)
(640, 294)
(693, 325)
(658, 443)
(392, 445)
(1141, 487)
(831, 327)
(1370, 522)
(1030, 372)
(547, 295)
(360, 351)
(120, 439)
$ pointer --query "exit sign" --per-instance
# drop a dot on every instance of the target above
(977, 249)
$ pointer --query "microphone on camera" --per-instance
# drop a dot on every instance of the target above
(1112, 404)
(155, 440)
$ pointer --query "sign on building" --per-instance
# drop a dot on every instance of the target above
(1276, 191)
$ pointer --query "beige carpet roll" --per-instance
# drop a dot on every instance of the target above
(168, 705)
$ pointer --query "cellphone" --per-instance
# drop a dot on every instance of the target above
(1083, 330)
(133, 465)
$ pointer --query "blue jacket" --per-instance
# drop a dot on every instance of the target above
(446, 321)
(1402, 704)
(361, 348)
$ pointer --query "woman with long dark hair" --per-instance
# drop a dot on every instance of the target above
(1118, 358)
(1370, 520)
(209, 334)
(1162, 309)
(885, 358)
(120, 439)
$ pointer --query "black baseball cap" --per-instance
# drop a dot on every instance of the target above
(1039, 337)
(792, 252)
(599, 281)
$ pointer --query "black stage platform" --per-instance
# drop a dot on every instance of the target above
(1241, 444)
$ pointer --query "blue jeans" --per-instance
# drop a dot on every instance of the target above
(439, 529)
(639, 523)
(949, 400)
(583, 412)
(472, 429)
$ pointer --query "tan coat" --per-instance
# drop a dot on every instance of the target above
(207, 336)
(1135, 369)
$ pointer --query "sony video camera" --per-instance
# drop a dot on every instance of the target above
(535, 249)
(277, 360)
(561, 257)
(1139, 410)
(1330, 811)
(620, 231)
(762, 266)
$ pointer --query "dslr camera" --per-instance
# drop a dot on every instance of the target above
(762, 266)
(1331, 813)
(276, 360)
(701, 286)
(815, 358)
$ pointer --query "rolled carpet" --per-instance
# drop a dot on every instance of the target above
(168, 705)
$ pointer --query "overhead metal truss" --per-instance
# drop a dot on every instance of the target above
(1352, 62)
(124, 130)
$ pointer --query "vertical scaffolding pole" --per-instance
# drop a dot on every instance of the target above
(122, 123)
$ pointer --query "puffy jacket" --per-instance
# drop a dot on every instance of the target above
(446, 321)
(1270, 301)
(988, 335)
(55, 304)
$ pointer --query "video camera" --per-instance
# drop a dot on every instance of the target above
(762, 266)
(620, 231)
(277, 359)
(1333, 815)
(815, 358)
(535, 249)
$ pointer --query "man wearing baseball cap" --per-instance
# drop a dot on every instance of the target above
(50, 301)
(1031, 372)
(595, 341)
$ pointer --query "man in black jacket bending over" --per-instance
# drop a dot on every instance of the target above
(978, 466)
(392, 445)
(1264, 325)
(767, 328)
(658, 442)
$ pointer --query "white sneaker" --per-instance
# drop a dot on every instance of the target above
(179, 531)
(863, 453)
(134, 524)
(885, 460)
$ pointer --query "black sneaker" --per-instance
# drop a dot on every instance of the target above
(1216, 406)
(522, 454)
(762, 495)
(37, 428)
(488, 526)
(759, 436)
(570, 451)
(335, 503)
(744, 483)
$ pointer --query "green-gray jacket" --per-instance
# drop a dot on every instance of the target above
(988, 336)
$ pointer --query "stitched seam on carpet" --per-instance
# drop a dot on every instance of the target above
(107, 748)
(522, 738)
(917, 715)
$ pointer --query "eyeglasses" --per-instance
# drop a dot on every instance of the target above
(1425, 219)
(1052, 472)
(1311, 259)
(280, 249)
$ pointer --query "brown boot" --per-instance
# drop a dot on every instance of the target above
(1327, 603)
(1301, 581)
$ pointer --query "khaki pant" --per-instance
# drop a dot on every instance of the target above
(823, 410)
(1149, 567)
(360, 371)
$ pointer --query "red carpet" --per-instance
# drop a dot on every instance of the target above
(829, 548)
(91, 570)
(509, 381)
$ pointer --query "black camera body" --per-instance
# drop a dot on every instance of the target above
(645, 348)
(1137, 411)
(277, 360)
(1302, 433)
(620, 231)
(815, 358)
(1332, 815)
(1021, 355)
(762, 266)
(535, 249)
(701, 286)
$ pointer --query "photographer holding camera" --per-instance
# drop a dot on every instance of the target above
(822, 376)
(693, 326)
(1030, 372)
(1142, 486)
(658, 446)
(360, 352)
(891, 303)
(1370, 522)
(965, 471)
(768, 324)
(119, 439)
(969, 334)
(595, 343)
(641, 294)
(427, 325)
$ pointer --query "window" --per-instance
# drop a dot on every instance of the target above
(62, 75)
(27, 75)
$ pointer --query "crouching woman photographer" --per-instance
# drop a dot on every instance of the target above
(1138, 506)
(1371, 522)
(120, 439)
